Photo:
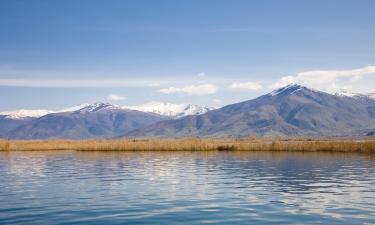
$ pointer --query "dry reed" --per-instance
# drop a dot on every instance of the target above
(195, 144)
(4, 145)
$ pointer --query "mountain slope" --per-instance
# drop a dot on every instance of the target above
(293, 110)
(7, 124)
(93, 121)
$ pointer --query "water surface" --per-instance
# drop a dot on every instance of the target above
(186, 188)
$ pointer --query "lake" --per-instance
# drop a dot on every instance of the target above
(67, 187)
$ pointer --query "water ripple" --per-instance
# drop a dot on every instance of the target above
(186, 188)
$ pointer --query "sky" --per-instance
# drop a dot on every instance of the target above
(55, 54)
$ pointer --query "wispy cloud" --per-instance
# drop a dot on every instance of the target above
(76, 83)
(115, 97)
(325, 78)
(204, 89)
(252, 86)
(201, 74)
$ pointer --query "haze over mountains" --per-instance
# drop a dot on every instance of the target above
(293, 110)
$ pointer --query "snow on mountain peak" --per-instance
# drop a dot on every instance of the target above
(345, 93)
(97, 106)
(170, 109)
(74, 108)
(161, 108)
(371, 95)
(36, 113)
(291, 88)
(25, 113)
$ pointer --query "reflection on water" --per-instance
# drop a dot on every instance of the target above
(186, 187)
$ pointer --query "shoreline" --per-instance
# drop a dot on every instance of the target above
(196, 144)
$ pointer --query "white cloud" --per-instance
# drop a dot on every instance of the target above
(324, 79)
(283, 82)
(253, 86)
(333, 88)
(114, 97)
(326, 76)
(72, 83)
(201, 74)
(204, 89)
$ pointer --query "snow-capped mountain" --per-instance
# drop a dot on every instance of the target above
(345, 93)
(36, 113)
(74, 108)
(160, 108)
(98, 120)
(170, 109)
(290, 89)
(25, 113)
(293, 110)
(89, 108)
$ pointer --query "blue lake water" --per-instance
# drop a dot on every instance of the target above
(186, 188)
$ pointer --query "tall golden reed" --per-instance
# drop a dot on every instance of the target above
(196, 144)
(4, 145)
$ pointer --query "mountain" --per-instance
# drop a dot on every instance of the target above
(36, 113)
(25, 113)
(7, 124)
(349, 94)
(293, 110)
(161, 108)
(172, 110)
(99, 120)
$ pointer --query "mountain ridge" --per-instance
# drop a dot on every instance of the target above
(293, 110)
(161, 108)
(99, 120)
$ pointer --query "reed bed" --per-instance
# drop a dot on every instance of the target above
(196, 144)
(4, 145)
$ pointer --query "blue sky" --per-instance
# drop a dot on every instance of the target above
(55, 54)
